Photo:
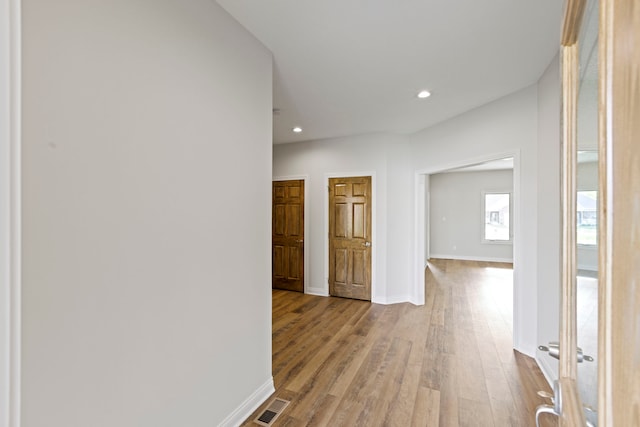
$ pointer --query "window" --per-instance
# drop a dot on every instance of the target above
(497, 223)
(587, 221)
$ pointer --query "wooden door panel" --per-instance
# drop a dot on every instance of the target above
(359, 221)
(279, 262)
(359, 189)
(350, 237)
(341, 263)
(293, 220)
(340, 189)
(294, 191)
(359, 265)
(278, 192)
(293, 272)
(279, 221)
(341, 220)
(288, 235)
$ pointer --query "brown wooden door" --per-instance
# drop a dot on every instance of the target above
(288, 235)
(350, 237)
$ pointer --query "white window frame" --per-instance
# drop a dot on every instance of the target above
(483, 218)
(591, 246)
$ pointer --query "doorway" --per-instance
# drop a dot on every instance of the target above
(422, 238)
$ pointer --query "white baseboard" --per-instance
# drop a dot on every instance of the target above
(321, 292)
(471, 258)
(549, 373)
(247, 407)
(416, 301)
(397, 299)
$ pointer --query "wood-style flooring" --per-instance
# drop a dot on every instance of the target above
(450, 362)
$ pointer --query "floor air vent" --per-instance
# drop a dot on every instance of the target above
(272, 412)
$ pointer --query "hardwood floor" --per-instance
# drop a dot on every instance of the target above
(450, 362)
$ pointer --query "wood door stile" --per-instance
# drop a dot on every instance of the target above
(619, 238)
(350, 237)
(288, 235)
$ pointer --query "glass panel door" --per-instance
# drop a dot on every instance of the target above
(586, 213)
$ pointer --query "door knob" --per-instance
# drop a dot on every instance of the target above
(299, 241)
(367, 244)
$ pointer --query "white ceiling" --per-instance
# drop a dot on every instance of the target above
(346, 67)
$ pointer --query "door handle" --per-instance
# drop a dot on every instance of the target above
(556, 400)
(367, 244)
(299, 241)
(553, 348)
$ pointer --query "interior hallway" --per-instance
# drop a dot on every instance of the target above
(450, 362)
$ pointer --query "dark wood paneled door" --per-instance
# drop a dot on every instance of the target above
(288, 235)
(350, 237)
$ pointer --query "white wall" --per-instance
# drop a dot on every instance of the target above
(548, 215)
(456, 216)
(147, 226)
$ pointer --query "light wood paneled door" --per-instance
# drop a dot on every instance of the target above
(288, 235)
(350, 237)
(618, 238)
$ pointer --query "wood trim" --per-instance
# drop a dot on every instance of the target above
(572, 412)
(568, 330)
(573, 14)
(605, 415)
(619, 390)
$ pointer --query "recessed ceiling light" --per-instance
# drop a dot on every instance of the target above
(424, 94)
(297, 129)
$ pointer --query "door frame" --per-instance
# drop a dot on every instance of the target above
(422, 237)
(307, 234)
(10, 212)
(375, 298)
